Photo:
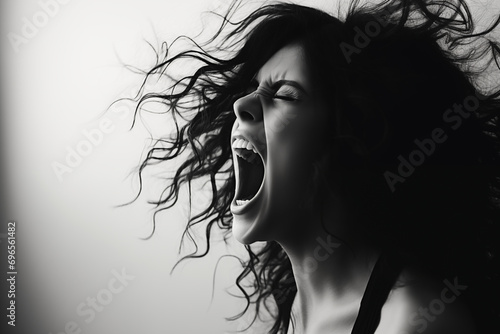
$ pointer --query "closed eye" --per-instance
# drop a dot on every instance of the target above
(287, 93)
(285, 90)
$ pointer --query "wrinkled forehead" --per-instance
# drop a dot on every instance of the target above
(287, 63)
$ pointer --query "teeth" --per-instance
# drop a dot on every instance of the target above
(244, 144)
(241, 201)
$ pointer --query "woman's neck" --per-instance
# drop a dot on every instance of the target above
(331, 277)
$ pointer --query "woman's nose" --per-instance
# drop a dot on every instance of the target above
(248, 108)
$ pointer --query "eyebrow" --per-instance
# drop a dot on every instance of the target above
(283, 82)
(292, 83)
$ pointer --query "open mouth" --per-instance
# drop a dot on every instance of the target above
(250, 171)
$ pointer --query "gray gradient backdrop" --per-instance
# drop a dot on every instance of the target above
(71, 242)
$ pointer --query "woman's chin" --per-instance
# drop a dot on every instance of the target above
(241, 231)
(246, 232)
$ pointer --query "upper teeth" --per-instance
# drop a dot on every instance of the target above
(243, 143)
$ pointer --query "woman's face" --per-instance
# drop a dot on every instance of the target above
(275, 139)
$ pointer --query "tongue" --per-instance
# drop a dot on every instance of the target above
(251, 176)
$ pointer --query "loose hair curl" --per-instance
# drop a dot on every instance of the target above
(395, 88)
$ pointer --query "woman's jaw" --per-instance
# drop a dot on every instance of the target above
(275, 140)
(247, 206)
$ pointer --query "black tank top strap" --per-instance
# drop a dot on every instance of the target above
(380, 284)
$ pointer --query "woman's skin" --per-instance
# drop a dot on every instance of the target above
(276, 212)
(285, 121)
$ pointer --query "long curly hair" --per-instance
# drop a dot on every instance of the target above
(410, 106)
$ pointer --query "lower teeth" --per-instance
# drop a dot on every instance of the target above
(241, 201)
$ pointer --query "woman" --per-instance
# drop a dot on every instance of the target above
(361, 151)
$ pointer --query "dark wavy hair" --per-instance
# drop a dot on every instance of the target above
(411, 110)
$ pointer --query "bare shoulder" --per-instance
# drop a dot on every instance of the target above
(426, 307)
